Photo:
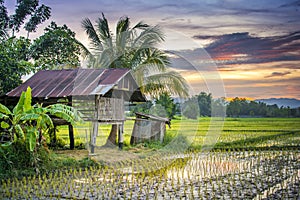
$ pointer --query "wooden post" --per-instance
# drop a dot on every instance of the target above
(94, 136)
(162, 126)
(120, 136)
(94, 132)
(71, 131)
(71, 136)
(121, 126)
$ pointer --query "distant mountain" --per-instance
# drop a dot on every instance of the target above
(285, 102)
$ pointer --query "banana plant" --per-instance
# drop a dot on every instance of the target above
(27, 123)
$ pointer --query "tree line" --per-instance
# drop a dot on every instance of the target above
(205, 105)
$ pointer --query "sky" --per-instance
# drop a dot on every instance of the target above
(226, 47)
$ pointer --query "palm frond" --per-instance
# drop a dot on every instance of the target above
(122, 25)
(103, 27)
(140, 25)
(104, 32)
(171, 82)
(92, 34)
(149, 37)
(157, 58)
(149, 61)
(84, 50)
(123, 33)
(106, 58)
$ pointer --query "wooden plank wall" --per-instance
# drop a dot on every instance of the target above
(108, 108)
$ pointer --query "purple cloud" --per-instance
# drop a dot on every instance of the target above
(245, 48)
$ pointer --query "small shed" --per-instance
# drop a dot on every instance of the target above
(99, 94)
(149, 127)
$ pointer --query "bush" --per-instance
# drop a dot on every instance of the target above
(191, 111)
(16, 160)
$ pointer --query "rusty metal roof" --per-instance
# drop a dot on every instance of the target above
(71, 82)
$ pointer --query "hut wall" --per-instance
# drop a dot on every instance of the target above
(147, 130)
(109, 109)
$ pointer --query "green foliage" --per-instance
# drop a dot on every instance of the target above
(134, 48)
(190, 108)
(26, 124)
(167, 104)
(243, 107)
(141, 107)
(56, 48)
(205, 101)
(13, 62)
(218, 107)
(164, 107)
(25, 10)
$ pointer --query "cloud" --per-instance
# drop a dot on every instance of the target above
(245, 48)
(275, 74)
(293, 4)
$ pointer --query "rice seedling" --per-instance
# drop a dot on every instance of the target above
(235, 171)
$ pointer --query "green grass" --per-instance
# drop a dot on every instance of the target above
(234, 133)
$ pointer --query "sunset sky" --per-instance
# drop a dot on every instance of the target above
(227, 47)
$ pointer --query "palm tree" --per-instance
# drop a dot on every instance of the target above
(133, 48)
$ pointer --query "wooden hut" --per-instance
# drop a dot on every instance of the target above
(149, 128)
(98, 93)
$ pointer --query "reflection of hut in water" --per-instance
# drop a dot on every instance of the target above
(149, 128)
(98, 93)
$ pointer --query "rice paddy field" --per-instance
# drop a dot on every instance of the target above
(234, 158)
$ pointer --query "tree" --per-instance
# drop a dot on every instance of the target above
(56, 48)
(133, 48)
(234, 107)
(14, 55)
(25, 9)
(190, 108)
(204, 101)
(167, 104)
(4, 19)
(219, 107)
